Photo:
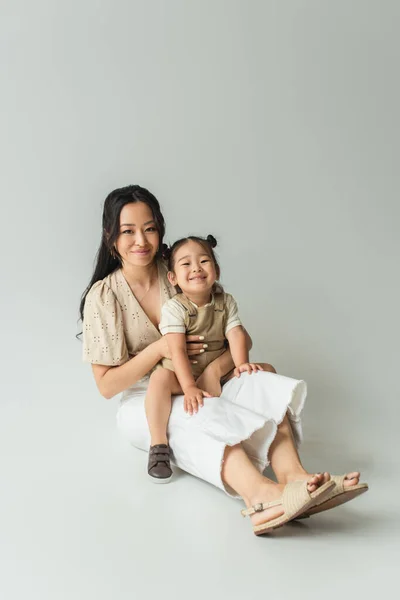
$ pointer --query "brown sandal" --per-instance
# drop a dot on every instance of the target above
(159, 468)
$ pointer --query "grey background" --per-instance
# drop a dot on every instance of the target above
(274, 126)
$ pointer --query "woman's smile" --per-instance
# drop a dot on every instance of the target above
(141, 252)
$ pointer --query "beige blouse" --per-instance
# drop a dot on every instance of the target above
(115, 326)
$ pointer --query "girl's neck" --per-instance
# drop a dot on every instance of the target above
(140, 276)
(200, 299)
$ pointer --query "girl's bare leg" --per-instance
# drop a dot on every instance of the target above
(163, 383)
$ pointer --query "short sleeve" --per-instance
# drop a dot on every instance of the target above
(172, 318)
(103, 335)
(232, 319)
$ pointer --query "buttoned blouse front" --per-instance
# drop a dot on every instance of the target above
(115, 326)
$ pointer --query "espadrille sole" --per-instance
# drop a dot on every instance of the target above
(340, 498)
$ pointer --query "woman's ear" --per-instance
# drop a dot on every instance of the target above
(172, 278)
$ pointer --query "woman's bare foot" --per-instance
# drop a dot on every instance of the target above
(352, 479)
(315, 481)
(269, 491)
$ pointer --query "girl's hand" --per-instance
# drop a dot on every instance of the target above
(194, 347)
(193, 399)
(209, 380)
(247, 368)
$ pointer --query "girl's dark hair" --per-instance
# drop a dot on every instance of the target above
(107, 258)
(208, 243)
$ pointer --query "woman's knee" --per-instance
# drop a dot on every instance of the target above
(267, 367)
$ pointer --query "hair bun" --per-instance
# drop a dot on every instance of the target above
(165, 251)
(212, 241)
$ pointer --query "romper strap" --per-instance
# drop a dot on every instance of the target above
(219, 304)
(191, 310)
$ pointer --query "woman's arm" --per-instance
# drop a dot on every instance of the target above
(113, 380)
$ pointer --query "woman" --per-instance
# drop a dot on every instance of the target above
(252, 423)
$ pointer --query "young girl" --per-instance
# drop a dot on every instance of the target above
(200, 308)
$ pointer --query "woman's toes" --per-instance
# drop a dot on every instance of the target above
(314, 482)
(352, 479)
(327, 477)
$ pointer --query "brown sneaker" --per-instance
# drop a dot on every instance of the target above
(158, 467)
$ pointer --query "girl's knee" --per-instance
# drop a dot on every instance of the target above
(267, 367)
(161, 375)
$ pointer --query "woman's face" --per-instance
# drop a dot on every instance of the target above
(138, 239)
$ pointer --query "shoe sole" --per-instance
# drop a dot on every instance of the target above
(160, 480)
(338, 500)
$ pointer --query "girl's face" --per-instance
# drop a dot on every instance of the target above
(138, 239)
(194, 269)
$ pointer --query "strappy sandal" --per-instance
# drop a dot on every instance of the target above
(159, 468)
(296, 499)
(339, 495)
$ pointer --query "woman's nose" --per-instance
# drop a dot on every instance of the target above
(140, 239)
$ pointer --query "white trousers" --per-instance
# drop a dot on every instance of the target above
(249, 411)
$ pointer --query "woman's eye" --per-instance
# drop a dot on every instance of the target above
(151, 229)
(129, 231)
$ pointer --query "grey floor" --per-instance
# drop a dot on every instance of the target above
(79, 519)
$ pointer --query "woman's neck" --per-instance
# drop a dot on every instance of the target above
(140, 276)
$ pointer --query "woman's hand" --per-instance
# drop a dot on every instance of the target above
(210, 380)
(194, 346)
(193, 399)
(247, 368)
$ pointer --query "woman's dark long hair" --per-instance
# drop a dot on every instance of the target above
(107, 258)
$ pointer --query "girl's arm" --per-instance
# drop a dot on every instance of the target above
(238, 345)
(240, 354)
(224, 363)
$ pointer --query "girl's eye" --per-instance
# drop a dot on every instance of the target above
(205, 260)
(185, 264)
